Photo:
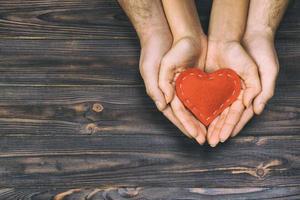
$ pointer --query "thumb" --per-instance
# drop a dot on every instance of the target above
(153, 90)
(149, 73)
(252, 85)
(181, 56)
(268, 80)
(268, 66)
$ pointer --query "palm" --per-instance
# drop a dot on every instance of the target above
(261, 48)
(233, 56)
(149, 68)
(183, 54)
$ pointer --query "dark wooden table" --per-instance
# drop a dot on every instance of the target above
(76, 123)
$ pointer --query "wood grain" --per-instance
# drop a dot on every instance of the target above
(153, 193)
(80, 161)
(76, 123)
(42, 110)
(91, 19)
(87, 62)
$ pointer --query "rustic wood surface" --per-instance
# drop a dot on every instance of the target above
(76, 123)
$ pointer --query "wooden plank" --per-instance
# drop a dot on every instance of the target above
(61, 62)
(110, 62)
(64, 20)
(144, 160)
(72, 19)
(72, 110)
(69, 62)
(153, 193)
(91, 19)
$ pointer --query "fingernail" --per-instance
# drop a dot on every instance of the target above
(192, 131)
(234, 134)
(159, 105)
(261, 107)
(222, 140)
(213, 144)
(199, 139)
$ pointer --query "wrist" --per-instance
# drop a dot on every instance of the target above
(225, 38)
(220, 44)
(259, 32)
(198, 41)
(217, 48)
(195, 34)
(197, 37)
(151, 33)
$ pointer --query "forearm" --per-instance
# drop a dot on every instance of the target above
(183, 18)
(228, 20)
(265, 16)
(147, 17)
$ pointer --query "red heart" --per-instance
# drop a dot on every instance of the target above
(207, 95)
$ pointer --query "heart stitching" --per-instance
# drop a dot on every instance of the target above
(207, 119)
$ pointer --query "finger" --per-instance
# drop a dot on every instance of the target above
(188, 120)
(149, 69)
(212, 127)
(166, 77)
(156, 95)
(202, 132)
(253, 86)
(268, 87)
(233, 117)
(248, 71)
(246, 116)
(181, 56)
(170, 115)
(268, 81)
(211, 68)
(268, 66)
(214, 138)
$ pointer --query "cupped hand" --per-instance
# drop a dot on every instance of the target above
(184, 53)
(152, 51)
(261, 48)
(232, 55)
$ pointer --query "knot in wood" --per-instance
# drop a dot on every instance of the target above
(260, 172)
(128, 192)
(91, 128)
(97, 107)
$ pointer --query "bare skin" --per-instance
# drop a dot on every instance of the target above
(188, 50)
(263, 19)
(258, 40)
(149, 20)
(245, 45)
(226, 29)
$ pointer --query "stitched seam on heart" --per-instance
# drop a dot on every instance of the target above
(210, 78)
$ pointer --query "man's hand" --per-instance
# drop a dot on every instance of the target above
(263, 20)
(149, 20)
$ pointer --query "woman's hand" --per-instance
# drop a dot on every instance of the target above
(226, 29)
(186, 52)
(232, 55)
(152, 53)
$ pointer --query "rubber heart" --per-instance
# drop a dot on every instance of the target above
(207, 95)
